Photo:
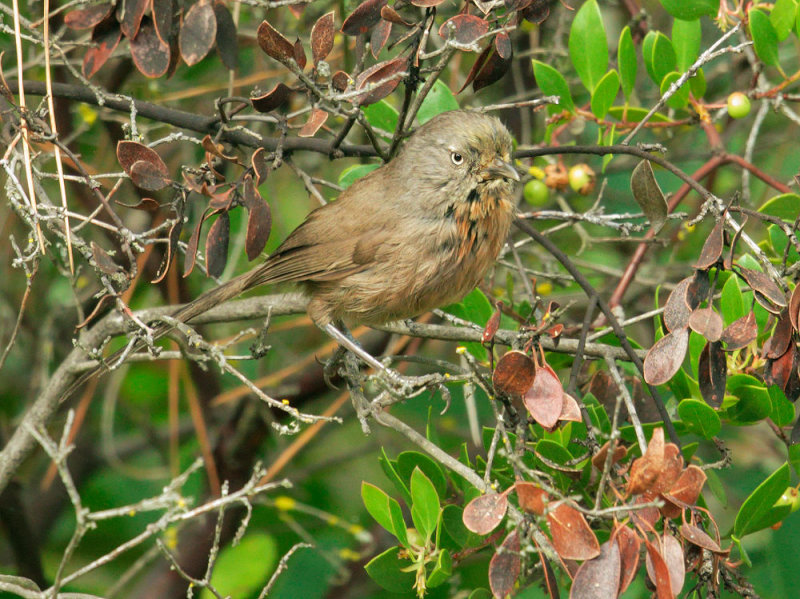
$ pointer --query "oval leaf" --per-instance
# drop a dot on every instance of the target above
(665, 357)
(648, 195)
(484, 513)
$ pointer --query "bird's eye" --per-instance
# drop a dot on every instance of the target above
(456, 158)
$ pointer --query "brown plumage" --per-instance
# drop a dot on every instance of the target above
(415, 234)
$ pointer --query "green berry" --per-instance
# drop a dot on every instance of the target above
(581, 179)
(536, 193)
(738, 105)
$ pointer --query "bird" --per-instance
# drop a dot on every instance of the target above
(415, 234)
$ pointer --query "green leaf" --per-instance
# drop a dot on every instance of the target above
(349, 175)
(716, 487)
(382, 115)
(241, 570)
(425, 505)
(794, 457)
(686, 37)
(779, 242)
(765, 39)
(698, 84)
(604, 94)
(453, 522)
(634, 114)
(626, 62)
(731, 302)
(782, 17)
(662, 59)
(480, 594)
(385, 510)
(699, 418)
(388, 570)
(588, 46)
(754, 404)
(681, 97)
(783, 206)
(552, 83)
(690, 9)
(408, 461)
(439, 99)
(442, 571)
(389, 469)
(782, 409)
(760, 502)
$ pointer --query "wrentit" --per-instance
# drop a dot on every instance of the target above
(417, 233)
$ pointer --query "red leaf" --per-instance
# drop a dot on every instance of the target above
(274, 44)
(315, 121)
(712, 249)
(259, 222)
(545, 399)
(778, 343)
(646, 469)
(599, 577)
(514, 374)
(363, 18)
(741, 332)
(322, 37)
(191, 247)
(537, 11)
(571, 535)
(370, 80)
(273, 99)
(570, 410)
(260, 167)
(299, 54)
(484, 513)
(706, 322)
(492, 70)
(150, 54)
(677, 311)
(379, 37)
(794, 308)
(217, 245)
(599, 459)
(490, 330)
(673, 466)
(689, 485)
(149, 176)
(86, 18)
(531, 497)
(658, 571)
(502, 44)
(505, 566)
(391, 15)
(464, 29)
(673, 558)
(106, 38)
(426, 3)
(629, 545)
(665, 357)
(760, 282)
(699, 537)
(129, 152)
(134, 12)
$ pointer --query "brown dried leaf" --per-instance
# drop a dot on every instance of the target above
(484, 513)
(673, 466)
(299, 54)
(217, 245)
(712, 375)
(464, 29)
(363, 18)
(673, 557)
(322, 34)
(712, 248)
(531, 497)
(571, 535)
(340, 81)
(599, 459)
(149, 176)
(370, 80)
(648, 195)
(599, 577)
(699, 537)
(698, 289)
(174, 237)
(145, 204)
(740, 333)
(106, 38)
(163, 15)
(426, 3)
(761, 283)
(778, 343)
(274, 44)
(273, 99)
(103, 261)
(314, 122)
(570, 410)
(677, 310)
(514, 374)
(505, 566)
(794, 308)
(658, 571)
(391, 15)
(259, 221)
(260, 168)
(198, 32)
(537, 11)
(545, 398)
(191, 247)
(689, 485)
(86, 18)
(492, 70)
(646, 469)
(629, 545)
(129, 152)
(490, 330)
(665, 357)
(706, 322)
(227, 42)
(379, 36)
(150, 54)
(502, 43)
(134, 11)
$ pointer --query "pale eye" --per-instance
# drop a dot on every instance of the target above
(457, 158)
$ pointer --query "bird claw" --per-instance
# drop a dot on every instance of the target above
(331, 367)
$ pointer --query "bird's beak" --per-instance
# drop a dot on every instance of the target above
(500, 169)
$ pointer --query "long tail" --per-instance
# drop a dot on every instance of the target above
(205, 302)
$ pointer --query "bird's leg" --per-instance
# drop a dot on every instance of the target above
(348, 342)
